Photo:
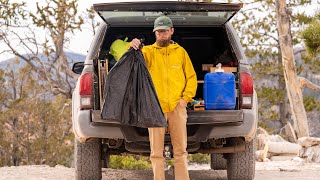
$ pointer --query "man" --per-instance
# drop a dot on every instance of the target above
(175, 82)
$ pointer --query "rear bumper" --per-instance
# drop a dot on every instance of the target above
(84, 128)
(208, 124)
(247, 129)
(215, 117)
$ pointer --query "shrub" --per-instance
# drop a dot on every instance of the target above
(199, 158)
(311, 103)
(129, 162)
(135, 162)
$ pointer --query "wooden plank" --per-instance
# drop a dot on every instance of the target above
(103, 72)
(226, 69)
(100, 83)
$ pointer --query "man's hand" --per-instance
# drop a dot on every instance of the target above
(183, 103)
(135, 43)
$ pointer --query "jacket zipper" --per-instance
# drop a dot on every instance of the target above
(168, 79)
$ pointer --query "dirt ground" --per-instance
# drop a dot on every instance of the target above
(275, 170)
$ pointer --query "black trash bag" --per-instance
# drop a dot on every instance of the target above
(129, 94)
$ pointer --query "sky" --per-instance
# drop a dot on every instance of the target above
(81, 40)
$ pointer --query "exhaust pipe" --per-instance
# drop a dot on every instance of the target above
(113, 143)
(232, 149)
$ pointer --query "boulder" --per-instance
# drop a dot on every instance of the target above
(308, 141)
(311, 154)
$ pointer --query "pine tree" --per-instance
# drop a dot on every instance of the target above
(36, 125)
(311, 39)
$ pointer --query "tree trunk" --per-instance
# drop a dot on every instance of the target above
(283, 148)
(292, 82)
(15, 143)
(283, 103)
(44, 132)
(44, 143)
(28, 141)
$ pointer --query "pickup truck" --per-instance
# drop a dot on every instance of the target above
(204, 30)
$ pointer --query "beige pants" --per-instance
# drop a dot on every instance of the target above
(178, 131)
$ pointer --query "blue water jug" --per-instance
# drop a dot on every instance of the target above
(219, 91)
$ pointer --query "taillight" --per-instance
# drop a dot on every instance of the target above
(86, 91)
(246, 90)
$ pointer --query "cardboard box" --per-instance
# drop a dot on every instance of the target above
(206, 67)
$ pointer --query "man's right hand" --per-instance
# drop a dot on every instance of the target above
(135, 43)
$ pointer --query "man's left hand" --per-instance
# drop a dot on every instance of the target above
(183, 103)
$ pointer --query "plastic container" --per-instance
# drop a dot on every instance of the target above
(219, 91)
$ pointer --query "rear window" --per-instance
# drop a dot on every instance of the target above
(219, 13)
(222, 16)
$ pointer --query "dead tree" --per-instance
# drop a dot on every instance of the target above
(293, 82)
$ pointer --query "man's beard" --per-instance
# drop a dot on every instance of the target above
(163, 42)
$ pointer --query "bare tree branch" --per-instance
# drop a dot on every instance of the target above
(270, 36)
(266, 45)
(304, 82)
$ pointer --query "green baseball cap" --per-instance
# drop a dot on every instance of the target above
(162, 22)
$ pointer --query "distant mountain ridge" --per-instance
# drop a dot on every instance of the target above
(71, 56)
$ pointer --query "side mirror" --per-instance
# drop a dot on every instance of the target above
(78, 67)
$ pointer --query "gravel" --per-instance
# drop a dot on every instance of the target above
(282, 170)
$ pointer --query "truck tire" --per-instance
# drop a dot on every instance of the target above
(88, 159)
(241, 165)
(218, 162)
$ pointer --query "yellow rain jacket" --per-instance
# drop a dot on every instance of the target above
(172, 74)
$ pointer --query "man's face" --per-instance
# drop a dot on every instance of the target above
(163, 36)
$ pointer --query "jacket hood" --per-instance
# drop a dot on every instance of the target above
(173, 45)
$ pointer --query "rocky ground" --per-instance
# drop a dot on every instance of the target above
(275, 170)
